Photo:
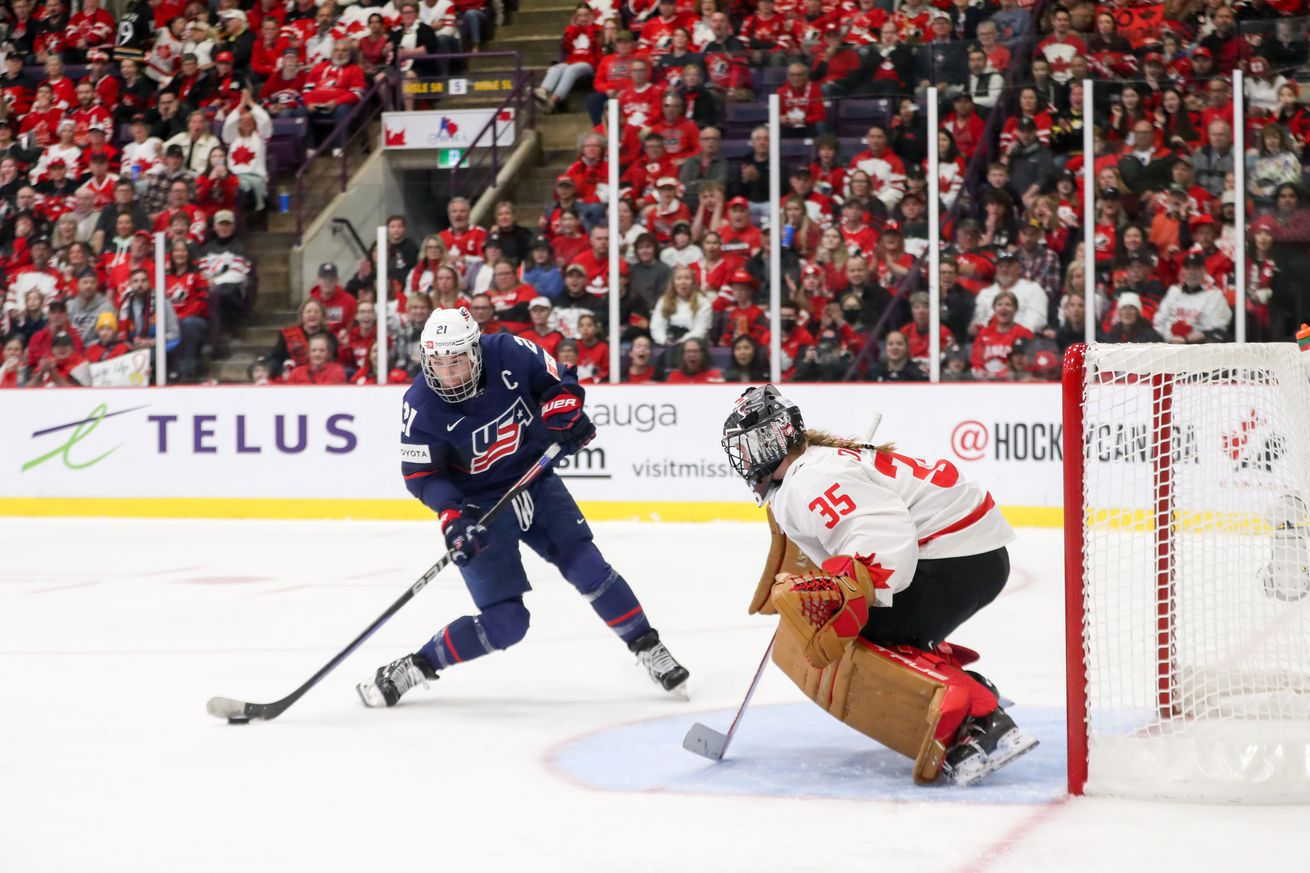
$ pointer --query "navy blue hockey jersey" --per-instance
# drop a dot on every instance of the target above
(452, 453)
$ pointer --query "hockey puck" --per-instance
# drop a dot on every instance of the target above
(238, 719)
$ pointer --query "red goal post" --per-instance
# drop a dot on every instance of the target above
(1187, 567)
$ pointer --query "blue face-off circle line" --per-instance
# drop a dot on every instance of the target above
(797, 751)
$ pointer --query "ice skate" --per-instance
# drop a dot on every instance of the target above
(392, 681)
(985, 745)
(661, 666)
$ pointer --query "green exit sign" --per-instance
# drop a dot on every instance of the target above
(450, 158)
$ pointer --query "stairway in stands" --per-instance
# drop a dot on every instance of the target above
(534, 32)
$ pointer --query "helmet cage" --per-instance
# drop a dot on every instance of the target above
(468, 387)
(759, 433)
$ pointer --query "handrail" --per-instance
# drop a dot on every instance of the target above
(354, 234)
(518, 95)
(373, 101)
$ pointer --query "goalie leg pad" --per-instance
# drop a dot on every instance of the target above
(911, 701)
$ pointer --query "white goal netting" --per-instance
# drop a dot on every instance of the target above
(1196, 582)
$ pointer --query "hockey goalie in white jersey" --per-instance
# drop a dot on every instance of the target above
(876, 558)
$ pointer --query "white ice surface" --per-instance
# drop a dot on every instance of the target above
(556, 756)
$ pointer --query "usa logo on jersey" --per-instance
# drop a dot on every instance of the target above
(500, 437)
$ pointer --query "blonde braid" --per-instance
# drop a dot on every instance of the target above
(823, 438)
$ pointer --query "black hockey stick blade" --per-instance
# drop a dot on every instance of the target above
(705, 741)
(239, 712)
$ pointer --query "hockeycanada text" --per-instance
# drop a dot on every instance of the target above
(667, 468)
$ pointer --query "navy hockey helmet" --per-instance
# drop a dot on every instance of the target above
(763, 427)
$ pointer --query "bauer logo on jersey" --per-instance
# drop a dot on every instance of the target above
(500, 437)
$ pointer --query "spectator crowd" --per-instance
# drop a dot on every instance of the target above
(692, 80)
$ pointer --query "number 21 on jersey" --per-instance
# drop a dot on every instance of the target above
(832, 505)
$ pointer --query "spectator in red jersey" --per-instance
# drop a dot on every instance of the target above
(613, 75)
(180, 201)
(801, 109)
(593, 352)
(358, 344)
(320, 369)
(579, 58)
(268, 50)
(292, 346)
(64, 367)
(189, 295)
(740, 237)
(917, 334)
(569, 241)
(640, 368)
(640, 102)
(338, 306)
(89, 28)
(333, 87)
(834, 60)
(682, 139)
(511, 298)
(694, 367)
(995, 340)
(282, 93)
(667, 211)
(463, 240)
(743, 317)
(217, 188)
(108, 344)
(541, 331)
(37, 274)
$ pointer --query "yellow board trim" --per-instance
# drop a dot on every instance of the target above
(404, 510)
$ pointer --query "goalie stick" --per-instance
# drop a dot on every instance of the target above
(239, 712)
(704, 740)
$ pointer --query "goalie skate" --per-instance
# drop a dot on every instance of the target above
(659, 664)
(391, 682)
(986, 745)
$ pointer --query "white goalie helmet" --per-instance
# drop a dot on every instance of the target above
(451, 355)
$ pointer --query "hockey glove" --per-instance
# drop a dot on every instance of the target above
(565, 420)
(826, 608)
(465, 538)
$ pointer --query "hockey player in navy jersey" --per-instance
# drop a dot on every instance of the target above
(485, 411)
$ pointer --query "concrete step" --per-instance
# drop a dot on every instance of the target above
(553, 16)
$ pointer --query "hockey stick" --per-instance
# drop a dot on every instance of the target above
(238, 712)
(704, 740)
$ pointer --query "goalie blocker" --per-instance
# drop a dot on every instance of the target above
(908, 552)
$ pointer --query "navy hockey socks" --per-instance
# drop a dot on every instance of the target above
(618, 607)
(497, 627)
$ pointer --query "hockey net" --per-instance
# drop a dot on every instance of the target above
(1188, 571)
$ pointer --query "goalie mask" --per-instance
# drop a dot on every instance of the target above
(763, 427)
(452, 355)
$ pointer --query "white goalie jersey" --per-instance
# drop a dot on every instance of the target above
(885, 508)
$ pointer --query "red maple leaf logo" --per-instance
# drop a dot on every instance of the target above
(243, 155)
(395, 137)
(505, 115)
